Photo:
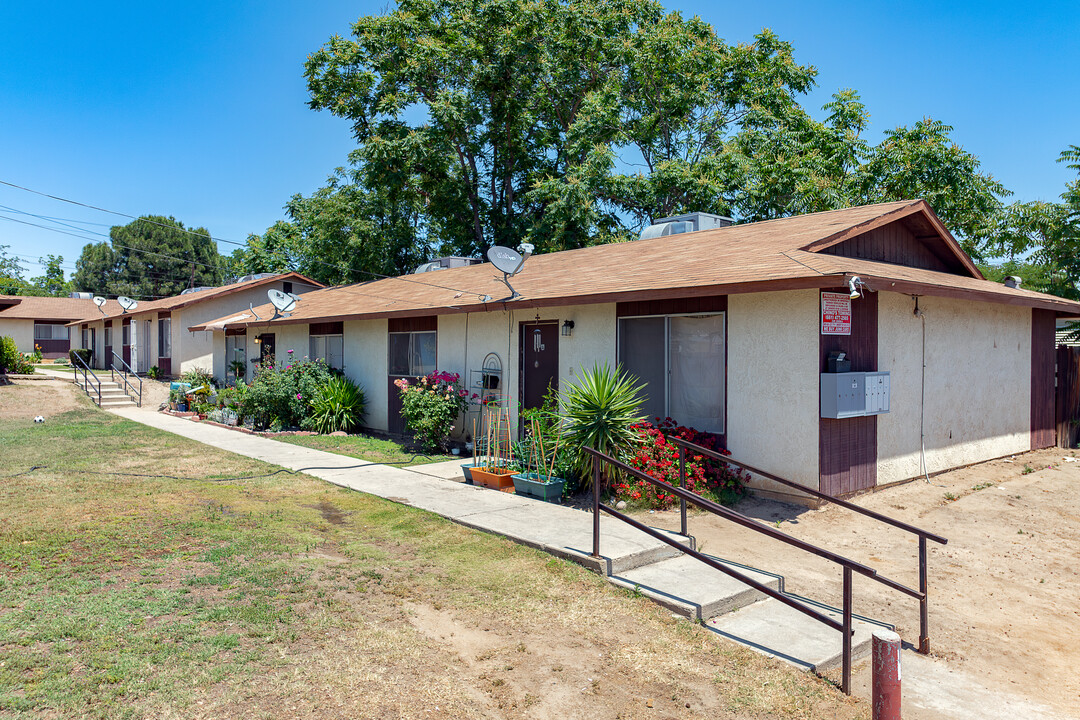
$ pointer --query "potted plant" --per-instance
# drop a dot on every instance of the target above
(540, 454)
(182, 402)
(174, 398)
(494, 467)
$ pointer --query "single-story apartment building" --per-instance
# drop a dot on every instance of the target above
(153, 333)
(41, 321)
(732, 330)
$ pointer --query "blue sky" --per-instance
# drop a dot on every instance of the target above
(198, 110)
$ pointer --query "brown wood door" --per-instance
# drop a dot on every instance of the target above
(539, 361)
(267, 348)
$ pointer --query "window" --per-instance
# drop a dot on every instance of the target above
(327, 347)
(126, 334)
(286, 287)
(412, 353)
(236, 355)
(164, 338)
(108, 336)
(50, 332)
(680, 359)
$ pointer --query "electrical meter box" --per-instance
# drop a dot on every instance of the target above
(854, 394)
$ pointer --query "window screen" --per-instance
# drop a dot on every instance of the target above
(328, 348)
(50, 332)
(642, 354)
(680, 359)
(412, 354)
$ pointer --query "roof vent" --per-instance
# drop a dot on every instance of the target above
(1013, 281)
(691, 222)
(443, 263)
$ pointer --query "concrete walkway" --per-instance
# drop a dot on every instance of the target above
(559, 530)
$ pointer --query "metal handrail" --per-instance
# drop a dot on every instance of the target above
(82, 365)
(921, 594)
(849, 566)
(124, 370)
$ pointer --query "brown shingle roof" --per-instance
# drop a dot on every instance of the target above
(23, 307)
(740, 258)
(113, 309)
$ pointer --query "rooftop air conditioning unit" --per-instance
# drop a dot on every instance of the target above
(81, 295)
(443, 263)
(691, 222)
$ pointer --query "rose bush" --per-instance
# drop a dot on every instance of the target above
(431, 405)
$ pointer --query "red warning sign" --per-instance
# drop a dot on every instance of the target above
(835, 313)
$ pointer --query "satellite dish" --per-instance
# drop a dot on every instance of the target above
(283, 303)
(98, 300)
(505, 259)
(509, 262)
(127, 303)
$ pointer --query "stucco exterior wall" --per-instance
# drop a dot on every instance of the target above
(978, 383)
(21, 331)
(365, 362)
(772, 381)
(592, 341)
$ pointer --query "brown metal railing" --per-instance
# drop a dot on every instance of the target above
(921, 594)
(849, 566)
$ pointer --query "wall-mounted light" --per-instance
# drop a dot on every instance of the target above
(258, 339)
(567, 328)
(854, 284)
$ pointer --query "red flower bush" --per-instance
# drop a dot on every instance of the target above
(658, 457)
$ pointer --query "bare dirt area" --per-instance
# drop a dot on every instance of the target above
(26, 399)
(1004, 592)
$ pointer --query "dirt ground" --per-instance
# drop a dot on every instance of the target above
(1004, 592)
(38, 397)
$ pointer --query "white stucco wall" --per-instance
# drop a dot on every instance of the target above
(21, 331)
(365, 363)
(772, 381)
(592, 341)
(978, 383)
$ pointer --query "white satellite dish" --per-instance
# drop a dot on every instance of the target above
(127, 303)
(99, 301)
(284, 303)
(509, 262)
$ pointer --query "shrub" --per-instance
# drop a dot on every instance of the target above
(339, 405)
(13, 361)
(543, 447)
(282, 397)
(601, 411)
(431, 405)
(657, 457)
(82, 353)
(725, 483)
(154, 373)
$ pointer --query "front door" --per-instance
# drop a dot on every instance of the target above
(94, 349)
(125, 342)
(539, 361)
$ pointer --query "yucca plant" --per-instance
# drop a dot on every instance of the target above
(600, 411)
(339, 405)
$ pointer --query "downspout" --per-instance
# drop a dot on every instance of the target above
(922, 396)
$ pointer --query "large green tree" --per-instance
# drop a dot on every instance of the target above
(153, 256)
(11, 270)
(571, 122)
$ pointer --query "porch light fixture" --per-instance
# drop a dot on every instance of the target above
(258, 339)
(854, 284)
(567, 328)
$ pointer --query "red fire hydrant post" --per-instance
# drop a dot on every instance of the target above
(886, 675)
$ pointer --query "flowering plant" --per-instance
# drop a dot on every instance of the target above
(431, 405)
(725, 483)
(658, 457)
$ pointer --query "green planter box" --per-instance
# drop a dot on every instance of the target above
(539, 486)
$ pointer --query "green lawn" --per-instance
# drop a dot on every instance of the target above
(365, 448)
(145, 575)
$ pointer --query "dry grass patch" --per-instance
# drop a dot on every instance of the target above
(283, 596)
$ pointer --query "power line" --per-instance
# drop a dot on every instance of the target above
(372, 273)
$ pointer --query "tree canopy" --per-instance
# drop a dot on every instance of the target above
(153, 256)
(568, 123)
(51, 283)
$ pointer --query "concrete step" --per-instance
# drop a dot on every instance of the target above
(117, 403)
(694, 590)
(772, 628)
